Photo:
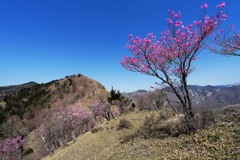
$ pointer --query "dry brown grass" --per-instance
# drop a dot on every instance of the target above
(216, 142)
(74, 89)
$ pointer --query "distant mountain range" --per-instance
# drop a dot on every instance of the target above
(134, 94)
(202, 96)
(215, 96)
(205, 96)
(230, 85)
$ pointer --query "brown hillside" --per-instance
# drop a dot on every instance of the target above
(24, 112)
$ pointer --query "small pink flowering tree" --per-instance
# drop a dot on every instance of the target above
(73, 117)
(98, 109)
(170, 57)
(101, 109)
(62, 125)
(10, 146)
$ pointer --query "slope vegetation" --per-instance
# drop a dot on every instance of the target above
(12, 90)
(29, 101)
(24, 111)
(220, 141)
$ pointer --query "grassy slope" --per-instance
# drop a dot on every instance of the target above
(218, 142)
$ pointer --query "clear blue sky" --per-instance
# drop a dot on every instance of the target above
(43, 40)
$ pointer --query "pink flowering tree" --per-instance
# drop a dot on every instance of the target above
(62, 125)
(10, 147)
(73, 117)
(170, 57)
(101, 109)
(228, 42)
(98, 109)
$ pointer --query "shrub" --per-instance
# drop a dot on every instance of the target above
(165, 114)
(146, 131)
(57, 84)
(97, 129)
(207, 117)
(150, 100)
(149, 122)
(213, 137)
(28, 151)
(124, 124)
(204, 119)
(160, 128)
(2, 117)
(173, 129)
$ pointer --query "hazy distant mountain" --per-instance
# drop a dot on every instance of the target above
(134, 94)
(13, 89)
(230, 85)
(205, 96)
(215, 96)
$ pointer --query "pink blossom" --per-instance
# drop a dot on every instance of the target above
(143, 68)
(116, 112)
(178, 23)
(170, 22)
(221, 5)
(152, 55)
(130, 36)
(11, 144)
(205, 5)
(224, 16)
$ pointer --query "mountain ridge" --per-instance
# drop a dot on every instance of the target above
(205, 96)
(23, 110)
